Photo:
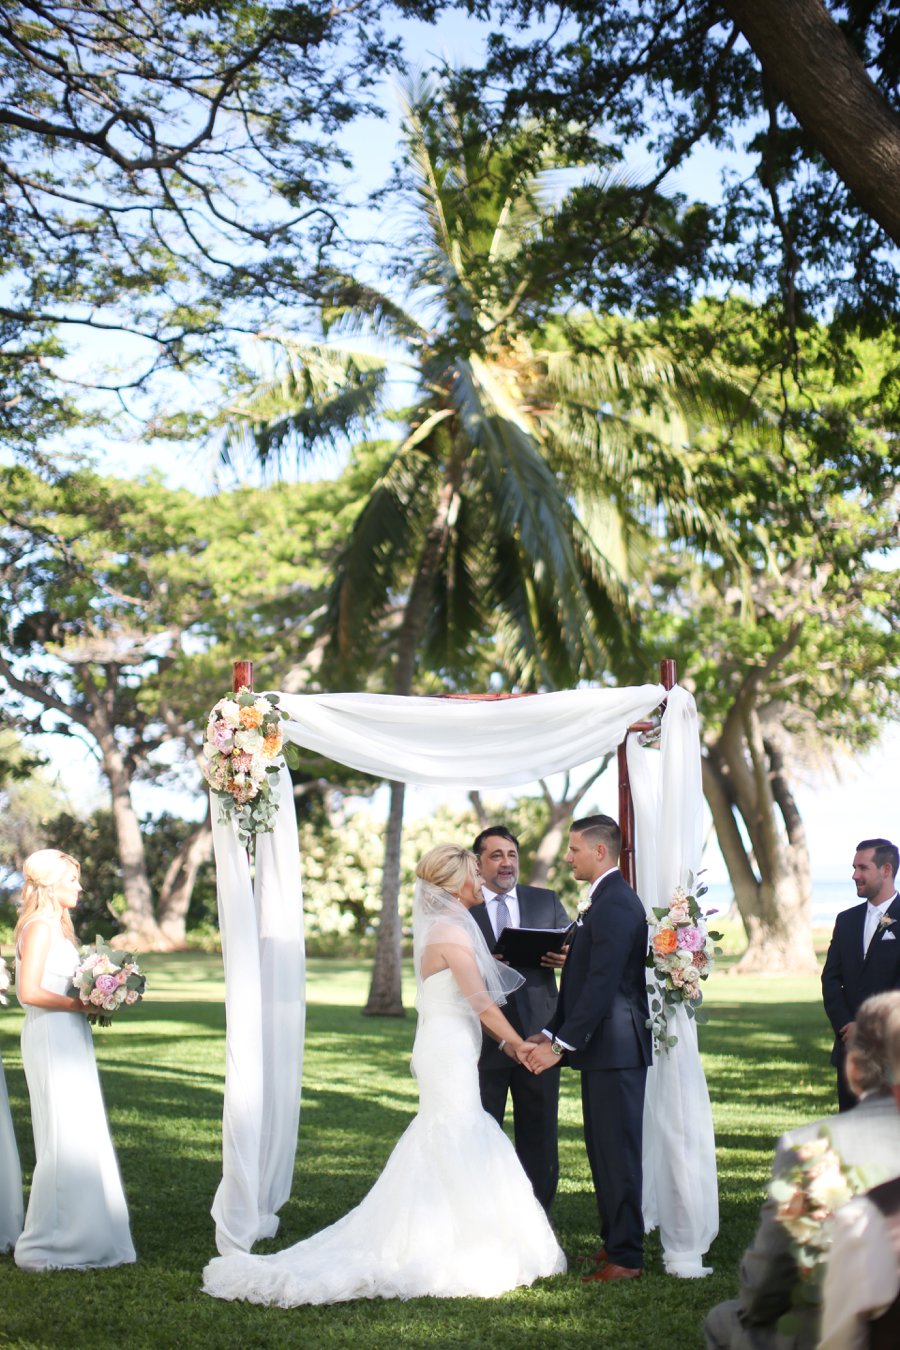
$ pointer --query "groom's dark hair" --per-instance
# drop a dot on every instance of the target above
(885, 852)
(504, 833)
(600, 830)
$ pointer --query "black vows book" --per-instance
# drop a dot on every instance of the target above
(526, 946)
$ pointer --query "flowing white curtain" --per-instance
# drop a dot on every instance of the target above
(436, 742)
(681, 1194)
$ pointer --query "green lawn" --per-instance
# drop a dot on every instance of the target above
(766, 1055)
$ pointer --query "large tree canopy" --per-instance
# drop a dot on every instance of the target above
(166, 169)
(807, 90)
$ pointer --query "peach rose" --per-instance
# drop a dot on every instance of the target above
(250, 718)
(665, 941)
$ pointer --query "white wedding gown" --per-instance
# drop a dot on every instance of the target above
(451, 1215)
(77, 1216)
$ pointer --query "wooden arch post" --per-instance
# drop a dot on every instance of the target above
(667, 678)
(241, 675)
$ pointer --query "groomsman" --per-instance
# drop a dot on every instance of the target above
(599, 1028)
(535, 1100)
(864, 955)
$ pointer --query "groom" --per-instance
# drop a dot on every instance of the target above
(599, 1028)
(535, 1100)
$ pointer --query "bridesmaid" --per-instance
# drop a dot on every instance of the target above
(10, 1174)
(77, 1216)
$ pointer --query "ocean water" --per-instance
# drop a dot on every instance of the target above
(829, 897)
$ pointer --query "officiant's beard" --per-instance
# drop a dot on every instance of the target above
(499, 874)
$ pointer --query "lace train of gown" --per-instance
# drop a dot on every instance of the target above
(452, 1214)
(77, 1216)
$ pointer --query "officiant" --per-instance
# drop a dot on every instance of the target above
(535, 1098)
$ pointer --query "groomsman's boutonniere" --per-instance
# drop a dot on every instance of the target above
(885, 921)
(582, 908)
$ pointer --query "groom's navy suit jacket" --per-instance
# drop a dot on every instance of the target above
(602, 1009)
(530, 1008)
(850, 976)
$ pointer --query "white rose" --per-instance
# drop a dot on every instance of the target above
(249, 739)
(229, 712)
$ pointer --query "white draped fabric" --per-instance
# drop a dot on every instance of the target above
(430, 741)
(680, 1186)
(261, 923)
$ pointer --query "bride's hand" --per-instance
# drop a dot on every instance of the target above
(524, 1052)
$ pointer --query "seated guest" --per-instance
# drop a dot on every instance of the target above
(869, 1134)
(861, 1306)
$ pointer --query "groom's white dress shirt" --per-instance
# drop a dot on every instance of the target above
(590, 895)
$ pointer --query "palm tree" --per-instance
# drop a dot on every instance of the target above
(510, 506)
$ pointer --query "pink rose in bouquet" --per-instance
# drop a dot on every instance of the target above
(106, 980)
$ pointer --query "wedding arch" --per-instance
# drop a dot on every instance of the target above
(454, 743)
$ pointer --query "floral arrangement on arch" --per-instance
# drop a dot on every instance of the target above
(806, 1196)
(106, 980)
(682, 953)
(243, 752)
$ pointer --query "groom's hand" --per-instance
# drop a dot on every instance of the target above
(543, 1057)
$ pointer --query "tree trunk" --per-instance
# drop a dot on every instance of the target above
(141, 932)
(385, 992)
(826, 86)
(774, 899)
(561, 812)
(178, 883)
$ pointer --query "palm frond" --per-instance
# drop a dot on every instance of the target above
(320, 395)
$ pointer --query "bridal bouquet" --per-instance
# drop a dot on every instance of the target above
(4, 982)
(682, 953)
(106, 980)
(806, 1196)
(243, 753)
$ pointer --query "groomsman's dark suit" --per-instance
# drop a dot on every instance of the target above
(601, 1014)
(851, 975)
(535, 1098)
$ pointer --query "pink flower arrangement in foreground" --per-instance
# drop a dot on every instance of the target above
(806, 1196)
(106, 980)
(682, 953)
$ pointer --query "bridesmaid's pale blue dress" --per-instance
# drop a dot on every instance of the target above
(77, 1216)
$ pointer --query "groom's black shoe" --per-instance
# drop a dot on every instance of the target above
(611, 1272)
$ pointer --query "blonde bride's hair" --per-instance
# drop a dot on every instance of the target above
(41, 871)
(448, 866)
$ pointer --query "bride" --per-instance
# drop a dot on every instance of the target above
(452, 1213)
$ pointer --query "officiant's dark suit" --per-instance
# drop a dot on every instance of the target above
(600, 1024)
(854, 967)
(535, 1099)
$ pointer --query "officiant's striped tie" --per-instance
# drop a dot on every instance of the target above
(501, 915)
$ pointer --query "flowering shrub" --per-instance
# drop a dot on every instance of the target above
(682, 953)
